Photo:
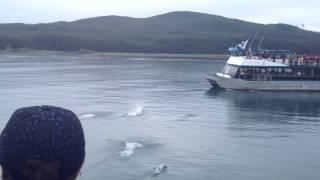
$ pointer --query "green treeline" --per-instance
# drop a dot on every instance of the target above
(176, 32)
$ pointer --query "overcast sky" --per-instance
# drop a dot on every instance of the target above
(293, 12)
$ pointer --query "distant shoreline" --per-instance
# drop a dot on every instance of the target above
(201, 56)
(120, 54)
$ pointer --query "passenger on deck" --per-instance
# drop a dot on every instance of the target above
(299, 74)
(242, 75)
(42, 143)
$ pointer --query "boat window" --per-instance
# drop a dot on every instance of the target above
(230, 70)
(287, 70)
(227, 69)
(270, 73)
(233, 71)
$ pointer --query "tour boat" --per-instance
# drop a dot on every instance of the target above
(268, 70)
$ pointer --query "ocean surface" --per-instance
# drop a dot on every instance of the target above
(141, 112)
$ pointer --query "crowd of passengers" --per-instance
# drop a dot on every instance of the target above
(244, 73)
(292, 58)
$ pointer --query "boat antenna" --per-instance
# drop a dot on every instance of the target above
(264, 34)
(255, 36)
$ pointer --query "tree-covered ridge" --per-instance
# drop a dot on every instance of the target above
(176, 32)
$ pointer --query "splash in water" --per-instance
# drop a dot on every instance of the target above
(160, 169)
(129, 150)
(87, 116)
(137, 111)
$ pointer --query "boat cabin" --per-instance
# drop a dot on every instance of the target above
(263, 70)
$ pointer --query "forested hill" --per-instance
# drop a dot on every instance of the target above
(176, 32)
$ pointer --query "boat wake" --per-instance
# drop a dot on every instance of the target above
(130, 148)
(136, 111)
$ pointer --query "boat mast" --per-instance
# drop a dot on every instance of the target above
(254, 38)
(264, 34)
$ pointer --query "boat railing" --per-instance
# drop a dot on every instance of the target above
(292, 62)
(262, 77)
(305, 64)
(257, 77)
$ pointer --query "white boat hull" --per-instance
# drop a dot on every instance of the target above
(239, 84)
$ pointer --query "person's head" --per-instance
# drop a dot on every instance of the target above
(42, 143)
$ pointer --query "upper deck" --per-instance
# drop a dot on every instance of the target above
(244, 56)
(259, 62)
(243, 61)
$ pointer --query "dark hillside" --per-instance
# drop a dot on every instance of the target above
(176, 32)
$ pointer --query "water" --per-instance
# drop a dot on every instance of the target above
(168, 108)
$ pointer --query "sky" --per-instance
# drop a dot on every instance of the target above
(295, 12)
